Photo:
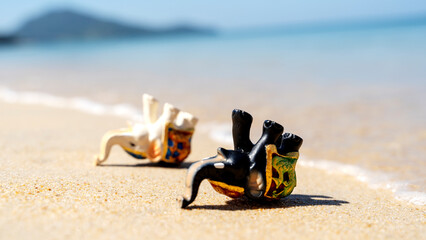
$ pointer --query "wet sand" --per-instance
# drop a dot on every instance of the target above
(50, 189)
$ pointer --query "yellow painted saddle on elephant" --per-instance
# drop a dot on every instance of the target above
(280, 176)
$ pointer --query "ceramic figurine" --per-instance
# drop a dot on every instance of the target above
(166, 138)
(264, 170)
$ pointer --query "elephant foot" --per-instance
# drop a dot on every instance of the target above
(150, 108)
(185, 121)
(241, 124)
(289, 143)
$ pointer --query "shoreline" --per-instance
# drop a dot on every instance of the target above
(218, 132)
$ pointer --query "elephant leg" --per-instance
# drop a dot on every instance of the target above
(157, 129)
(241, 123)
(169, 115)
(256, 184)
(150, 109)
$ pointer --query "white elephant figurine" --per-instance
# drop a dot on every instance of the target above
(165, 138)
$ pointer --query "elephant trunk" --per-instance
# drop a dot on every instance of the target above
(110, 139)
(232, 170)
(204, 169)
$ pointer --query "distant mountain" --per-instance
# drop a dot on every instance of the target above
(62, 25)
(7, 39)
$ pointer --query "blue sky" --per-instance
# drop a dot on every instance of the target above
(215, 13)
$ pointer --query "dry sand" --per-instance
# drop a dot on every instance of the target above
(50, 189)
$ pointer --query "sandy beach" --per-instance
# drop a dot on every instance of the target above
(50, 189)
(348, 78)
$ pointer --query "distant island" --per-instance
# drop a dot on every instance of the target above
(69, 25)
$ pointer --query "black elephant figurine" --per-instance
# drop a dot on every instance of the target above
(265, 170)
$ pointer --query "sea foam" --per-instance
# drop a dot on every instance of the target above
(218, 132)
(76, 103)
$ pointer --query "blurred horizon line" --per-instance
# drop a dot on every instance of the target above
(332, 24)
(311, 27)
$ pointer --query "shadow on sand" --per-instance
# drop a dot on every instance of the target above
(150, 164)
(294, 200)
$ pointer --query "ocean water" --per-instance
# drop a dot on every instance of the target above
(356, 96)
